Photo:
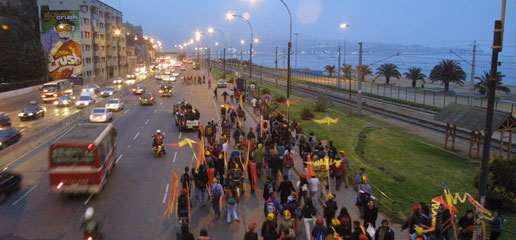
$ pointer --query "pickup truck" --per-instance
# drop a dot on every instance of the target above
(185, 118)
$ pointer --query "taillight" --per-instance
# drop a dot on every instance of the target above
(90, 238)
(60, 185)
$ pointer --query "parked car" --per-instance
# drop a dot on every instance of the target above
(114, 104)
(101, 114)
(8, 137)
(65, 101)
(32, 111)
(9, 183)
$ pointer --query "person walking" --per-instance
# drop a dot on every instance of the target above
(496, 225)
(303, 186)
(286, 225)
(258, 156)
(345, 222)
(359, 232)
(314, 189)
(319, 232)
(201, 182)
(203, 235)
(285, 189)
(185, 233)
(217, 191)
(330, 209)
(269, 227)
(215, 93)
(251, 235)
(232, 203)
(384, 232)
(370, 215)
(344, 161)
(225, 95)
(272, 206)
(308, 212)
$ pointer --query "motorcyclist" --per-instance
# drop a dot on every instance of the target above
(158, 140)
(90, 226)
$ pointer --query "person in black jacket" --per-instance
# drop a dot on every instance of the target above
(384, 232)
(370, 214)
(285, 189)
(345, 222)
(185, 233)
(413, 219)
(330, 209)
(308, 212)
(251, 235)
(359, 230)
(269, 228)
(201, 182)
(466, 226)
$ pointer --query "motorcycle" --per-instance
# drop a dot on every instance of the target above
(158, 150)
(91, 232)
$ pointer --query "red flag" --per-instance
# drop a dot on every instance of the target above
(309, 167)
(173, 195)
(252, 165)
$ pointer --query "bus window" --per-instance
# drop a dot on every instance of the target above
(72, 155)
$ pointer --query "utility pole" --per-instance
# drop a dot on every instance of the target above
(472, 87)
(295, 54)
(338, 71)
(276, 67)
(359, 92)
(283, 62)
(241, 63)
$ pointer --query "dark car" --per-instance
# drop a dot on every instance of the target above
(147, 99)
(8, 137)
(165, 90)
(139, 89)
(5, 120)
(65, 101)
(32, 111)
(9, 183)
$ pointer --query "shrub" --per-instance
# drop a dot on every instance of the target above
(280, 98)
(322, 103)
(501, 184)
(307, 112)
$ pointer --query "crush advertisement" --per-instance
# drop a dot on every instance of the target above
(61, 39)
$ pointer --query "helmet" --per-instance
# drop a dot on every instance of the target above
(284, 125)
(88, 215)
(331, 196)
(287, 215)
(260, 146)
(236, 165)
(270, 216)
(215, 180)
(207, 153)
(365, 179)
(343, 152)
(221, 156)
(319, 220)
(158, 131)
(335, 222)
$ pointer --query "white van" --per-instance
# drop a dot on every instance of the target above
(86, 99)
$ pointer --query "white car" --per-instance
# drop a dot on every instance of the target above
(221, 84)
(159, 76)
(118, 81)
(175, 74)
(101, 115)
(114, 104)
(85, 100)
(91, 88)
(107, 91)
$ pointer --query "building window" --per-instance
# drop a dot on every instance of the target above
(86, 34)
(103, 59)
(101, 25)
(87, 47)
(86, 21)
(102, 36)
(102, 48)
(84, 8)
(88, 60)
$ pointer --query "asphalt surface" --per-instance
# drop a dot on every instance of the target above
(133, 202)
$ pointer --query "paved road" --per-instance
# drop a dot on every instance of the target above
(132, 203)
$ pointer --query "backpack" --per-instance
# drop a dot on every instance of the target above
(185, 179)
(209, 131)
(268, 189)
(288, 163)
(271, 208)
(216, 192)
(183, 202)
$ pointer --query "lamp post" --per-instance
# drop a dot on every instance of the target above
(345, 26)
(118, 32)
(230, 16)
(211, 30)
(288, 59)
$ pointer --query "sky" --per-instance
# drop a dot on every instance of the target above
(432, 23)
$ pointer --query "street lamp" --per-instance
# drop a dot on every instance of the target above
(118, 32)
(230, 16)
(288, 58)
(256, 40)
(212, 30)
(345, 26)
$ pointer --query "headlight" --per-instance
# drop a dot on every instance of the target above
(84, 90)
(56, 102)
(77, 103)
(43, 96)
(91, 116)
(65, 102)
(20, 114)
(0, 143)
(160, 91)
(110, 93)
(30, 114)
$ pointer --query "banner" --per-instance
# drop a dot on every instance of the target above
(61, 39)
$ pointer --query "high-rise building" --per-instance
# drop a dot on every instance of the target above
(83, 39)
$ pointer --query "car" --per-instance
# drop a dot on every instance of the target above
(222, 84)
(9, 183)
(65, 101)
(107, 91)
(159, 76)
(8, 137)
(147, 99)
(165, 90)
(139, 89)
(5, 120)
(86, 99)
(114, 104)
(32, 111)
(175, 74)
(167, 72)
(131, 76)
(91, 88)
(169, 78)
(101, 114)
(197, 66)
(118, 81)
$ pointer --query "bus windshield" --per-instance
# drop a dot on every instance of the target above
(72, 155)
(50, 88)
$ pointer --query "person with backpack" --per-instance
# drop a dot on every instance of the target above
(308, 213)
(288, 163)
(201, 183)
(269, 227)
(345, 222)
(292, 206)
(232, 199)
(285, 189)
(319, 232)
(217, 191)
(186, 181)
(344, 162)
(384, 232)
(183, 211)
(359, 232)
(268, 188)
(330, 209)
(287, 224)
(272, 205)
(303, 186)
(496, 225)
(251, 235)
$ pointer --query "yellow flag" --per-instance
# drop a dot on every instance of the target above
(326, 120)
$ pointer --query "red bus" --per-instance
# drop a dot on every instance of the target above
(80, 161)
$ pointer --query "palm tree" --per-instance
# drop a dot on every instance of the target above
(330, 69)
(366, 70)
(446, 72)
(388, 70)
(414, 74)
(482, 85)
(347, 69)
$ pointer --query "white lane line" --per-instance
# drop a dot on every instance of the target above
(126, 111)
(146, 122)
(135, 103)
(179, 137)
(155, 110)
(175, 155)
(161, 103)
(88, 200)
(118, 159)
(135, 136)
(216, 110)
(166, 193)
(57, 139)
(24, 195)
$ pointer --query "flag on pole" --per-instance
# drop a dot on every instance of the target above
(287, 103)
(172, 197)
(326, 120)
(182, 143)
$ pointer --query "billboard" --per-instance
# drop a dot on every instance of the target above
(61, 39)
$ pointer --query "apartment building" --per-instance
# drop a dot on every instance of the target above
(97, 30)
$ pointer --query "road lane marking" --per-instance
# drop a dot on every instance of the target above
(175, 155)
(114, 121)
(57, 139)
(88, 200)
(161, 103)
(135, 136)
(118, 159)
(126, 111)
(24, 195)
(146, 122)
(179, 137)
(155, 110)
(166, 192)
